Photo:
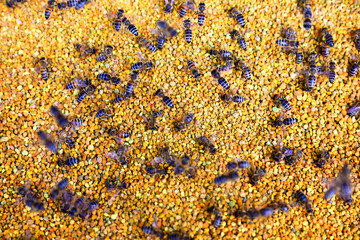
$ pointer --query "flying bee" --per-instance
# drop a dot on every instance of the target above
(165, 99)
(240, 65)
(239, 38)
(186, 120)
(113, 185)
(353, 66)
(105, 54)
(279, 205)
(301, 197)
(201, 14)
(188, 31)
(60, 118)
(46, 140)
(121, 155)
(255, 174)
(354, 110)
(193, 69)
(294, 158)
(184, 7)
(234, 165)
(58, 189)
(281, 101)
(67, 199)
(49, 8)
(218, 216)
(325, 34)
(43, 65)
(356, 38)
(169, 6)
(341, 185)
(78, 83)
(84, 50)
(181, 164)
(207, 143)
(235, 13)
(281, 152)
(163, 33)
(30, 198)
(143, 42)
(323, 158)
(154, 229)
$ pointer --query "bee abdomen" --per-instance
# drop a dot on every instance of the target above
(242, 43)
(129, 87)
(222, 81)
(160, 42)
(285, 104)
(189, 118)
(77, 122)
(71, 3)
(80, 4)
(71, 161)
(290, 121)
(238, 99)
(101, 58)
(300, 196)
(103, 76)
(115, 80)
(117, 24)
(311, 82)
(332, 76)
(168, 101)
(48, 12)
(247, 73)
(100, 113)
(124, 134)
(282, 42)
(354, 67)
(147, 230)
(188, 35)
(329, 40)
(307, 23)
(44, 74)
(183, 10)
(119, 98)
(201, 18)
(137, 65)
(217, 222)
(299, 57)
(133, 29)
(81, 96)
(240, 19)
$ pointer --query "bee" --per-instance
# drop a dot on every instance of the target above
(228, 98)
(354, 66)
(281, 101)
(151, 122)
(56, 192)
(154, 229)
(281, 152)
(117, 21)
(240, 38)
(81, 96)
(104, 112)
(201, 14)
(207, 143)
(299, 57)
(187, 119)
(301, 197)
(12, 3)
(119, 98)
(188, 31)
(266, 211)
(228, 177)
(356, 38)
(78, 83)
(30, 198)
(193, 69)
(71, 3)
(103, 76)
(220, 53)
(280, 206)
(233, 165)
(324, 33)
(188, 4)
(143, 65)
(67, 200)
(84, 50)
(164, 33)
(235, 13)
(284, 121)
(169, 6)
(70, 142)
(43, 68)
(60, 118)
(181, 164)
(229, 64)
(121, 155)
(256, 174)
(147, 44)
(49, 8)
(307, 15)
(218, 216)
(105, 54)
(165, 99)
(47, 141)
(331, 72)
(323, 157)
(81, 3)
(325, 50)
(354, 110)
(341, 185)
(71, 161)
(166, 157)
(77, 122)
(294, 158)
(240, 65)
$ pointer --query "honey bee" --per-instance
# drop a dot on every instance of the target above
(307, 15)
(323, 158)
(354, 110)
(121, 155)
(232, 97)
(151, 122)
(117, 21)
(341, 185)
(43, 65)
(325, 34)
(294, 158)
(154, 229)
(281, 101)
(30, 198)
(49, 8)
(188, 30)
(81, 3)
(143, 42)
(301, 197)
(201, 14)
(235, 165)
(281, 152)
(280, 121)
(71, 161)
(235, 13)
(207, 143)
(104, 112)
(169, 6)
(356, 38)
(112, 185)
(60, 118)
(239, 38)
(240, 65)
(13, 3)
(218, 216)
(84, 50)
(105, 54)
(256, 174)
(47, 141)
(222, 53)
(58, 190)
(165, 99)
(78, 83)
(168, 158)
(193, 69)
(184, 7)
(143, 64)
(353, 66)
(186, 120)
(228, 177)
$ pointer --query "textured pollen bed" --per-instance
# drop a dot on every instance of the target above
(242, 131)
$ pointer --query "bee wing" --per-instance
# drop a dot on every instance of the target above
(155, 31)
(140, 56)
(112, 155)
(113, 198)
(212, 138)
(155, 223)
(158, 160)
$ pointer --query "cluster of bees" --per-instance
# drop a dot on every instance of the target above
(83, 207)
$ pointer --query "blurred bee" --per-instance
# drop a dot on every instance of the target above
(60, 118)
(43, 68)
(165, 99)
(71, 3)
(166, 157)
(207, 143)
(353, 66)
(30, 198)
(201, 14)
(193, 69)
(256, 174)
(325, 34)
(121, 155)
(354, 110)
(169, 6)
(151, 122)
(184, 7)
(118, 18)
(239, 38)
(229, 98)
(103, 76)
(186, 120)
(143, 64)
(12, 3)
(235, 165)
(240, 65)
(356, 38)
(146, 44)
(181, 164)
(78, 83)
(220, 53)
(58, 190)
(280, 206)
(228, 177)
(164, 33)
(235, 13)
(301, 197)
(281, 101)
(307, 15)
(188, 31)
(179, 236)
(84, 50)
(104, 112)
(105, 54)
(218, 216)
(67, 200)
(77, 122)
(294, 158)
(49, 8)
(154, 229)
(46, 140)
(112, 185)
(281, 152)
(70, 142)
(341, 185)
(323, 158)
